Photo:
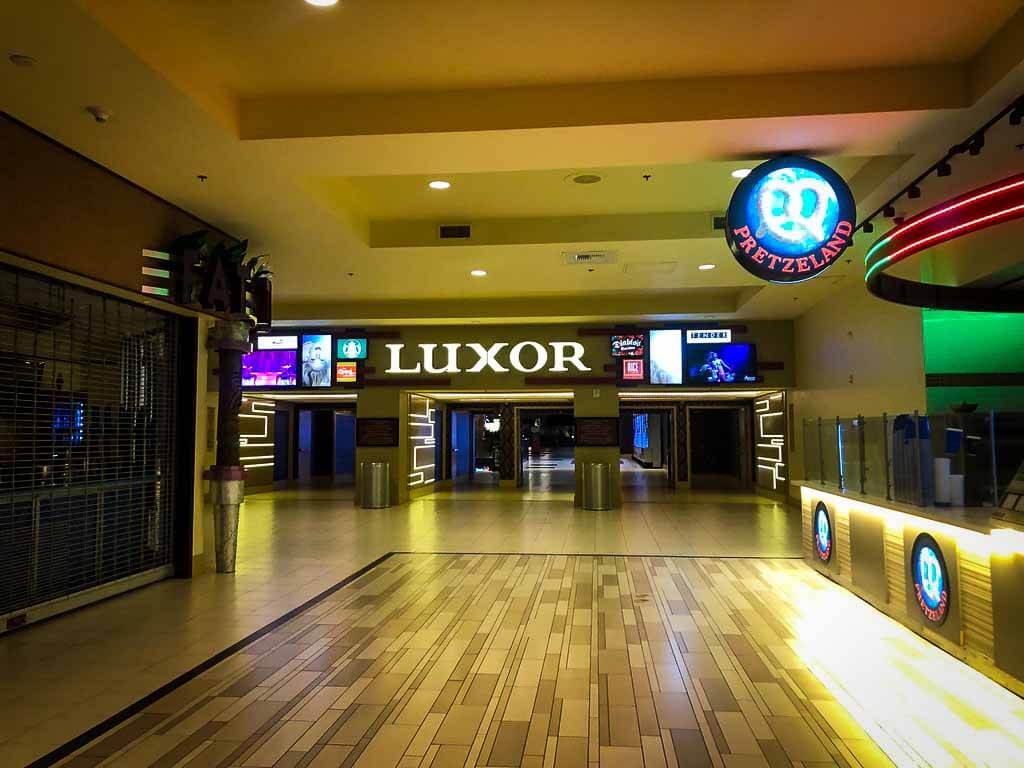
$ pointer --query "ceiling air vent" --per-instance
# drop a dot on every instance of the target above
(588, 258)
(454, 231)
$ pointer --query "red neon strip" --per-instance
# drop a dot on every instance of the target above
(928, 217)
(941, 235)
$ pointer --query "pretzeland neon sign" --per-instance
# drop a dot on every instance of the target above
(790, 219)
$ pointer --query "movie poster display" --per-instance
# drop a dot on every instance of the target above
(316, 360)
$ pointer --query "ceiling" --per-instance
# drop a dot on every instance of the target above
(274, 48)
(318, 129)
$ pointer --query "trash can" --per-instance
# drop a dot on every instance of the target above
(597, 486)
(374, 484)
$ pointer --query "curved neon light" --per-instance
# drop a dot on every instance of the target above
(973, 211)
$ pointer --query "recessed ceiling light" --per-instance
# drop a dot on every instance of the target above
(706, 267)
(439, 184)
(741, 173)
(478, 273)
(21, 60)
(586, 178)
(322, 3)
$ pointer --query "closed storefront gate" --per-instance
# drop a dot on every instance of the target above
(87, 443)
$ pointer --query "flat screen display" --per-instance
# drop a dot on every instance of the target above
(269, 368)
(721, 363)
(316, 360)
(277, 342)
(633, 369)
(666, 356)
(351, 349)
(628, 345)
(346, 372)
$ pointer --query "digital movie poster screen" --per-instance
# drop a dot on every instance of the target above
(628, 345)
(721, 363)
(272, 363)
(316, 360)
(666, 356)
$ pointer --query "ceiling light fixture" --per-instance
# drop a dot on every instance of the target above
(705, 267)
(322, 3)
(440, 184)
(586, 178)
(478, 273)
(741, 173)
(943, 169)
(21, 60)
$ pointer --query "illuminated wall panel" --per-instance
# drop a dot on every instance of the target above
(422, 441)
(770, 442)
(256, 440)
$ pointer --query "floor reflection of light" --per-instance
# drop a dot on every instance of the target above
(922, 706)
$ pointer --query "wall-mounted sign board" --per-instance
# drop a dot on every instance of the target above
(597, 431)
(376, 433)
(790, 219)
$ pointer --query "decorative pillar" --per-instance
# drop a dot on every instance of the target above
(507, 437)
(230, 338)
(598, 401)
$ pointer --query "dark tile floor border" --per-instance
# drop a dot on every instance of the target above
(75, 744)
(70, 747)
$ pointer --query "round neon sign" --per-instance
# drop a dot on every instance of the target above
(931, 579)
(822, 526)
(790, 219)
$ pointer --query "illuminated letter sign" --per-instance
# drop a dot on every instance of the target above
(790, 219)
(524, 356)
(931, 579)
(715, 336)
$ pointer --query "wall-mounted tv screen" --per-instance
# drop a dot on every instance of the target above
(346, 372)
(316, 360)
(628, 345)
(351, 349)
(721, 363)
(277, 342)
(666, 356)
(269, 368)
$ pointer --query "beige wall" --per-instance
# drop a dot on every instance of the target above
(855, 355)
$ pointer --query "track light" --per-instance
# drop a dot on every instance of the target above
(975, 145)
(868, 227)
(913, 192)
(1017, 115)
(888, 211)
(898, 220)
(943, 169)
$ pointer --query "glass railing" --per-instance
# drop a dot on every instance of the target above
(954, 459)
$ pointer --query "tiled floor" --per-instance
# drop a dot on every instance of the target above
(66, 675)
(513, 660)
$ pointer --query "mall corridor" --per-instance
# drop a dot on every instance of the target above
(465, 384)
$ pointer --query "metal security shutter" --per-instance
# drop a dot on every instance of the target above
(86, 439)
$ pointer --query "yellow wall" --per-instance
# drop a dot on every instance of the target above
(855, 355)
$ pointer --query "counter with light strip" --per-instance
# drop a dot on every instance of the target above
(955, 577)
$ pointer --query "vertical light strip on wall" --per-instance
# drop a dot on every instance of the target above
(253, 434)
(422, 441)
(770, 450)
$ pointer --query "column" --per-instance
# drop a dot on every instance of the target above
(388, 403)
(598, 401)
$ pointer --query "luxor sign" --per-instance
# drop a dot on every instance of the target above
(790, 219)
(500, 357)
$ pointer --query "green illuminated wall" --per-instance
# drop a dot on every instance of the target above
(974, 342)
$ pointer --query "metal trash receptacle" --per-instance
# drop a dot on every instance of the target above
(374, 484)
(597, 486)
